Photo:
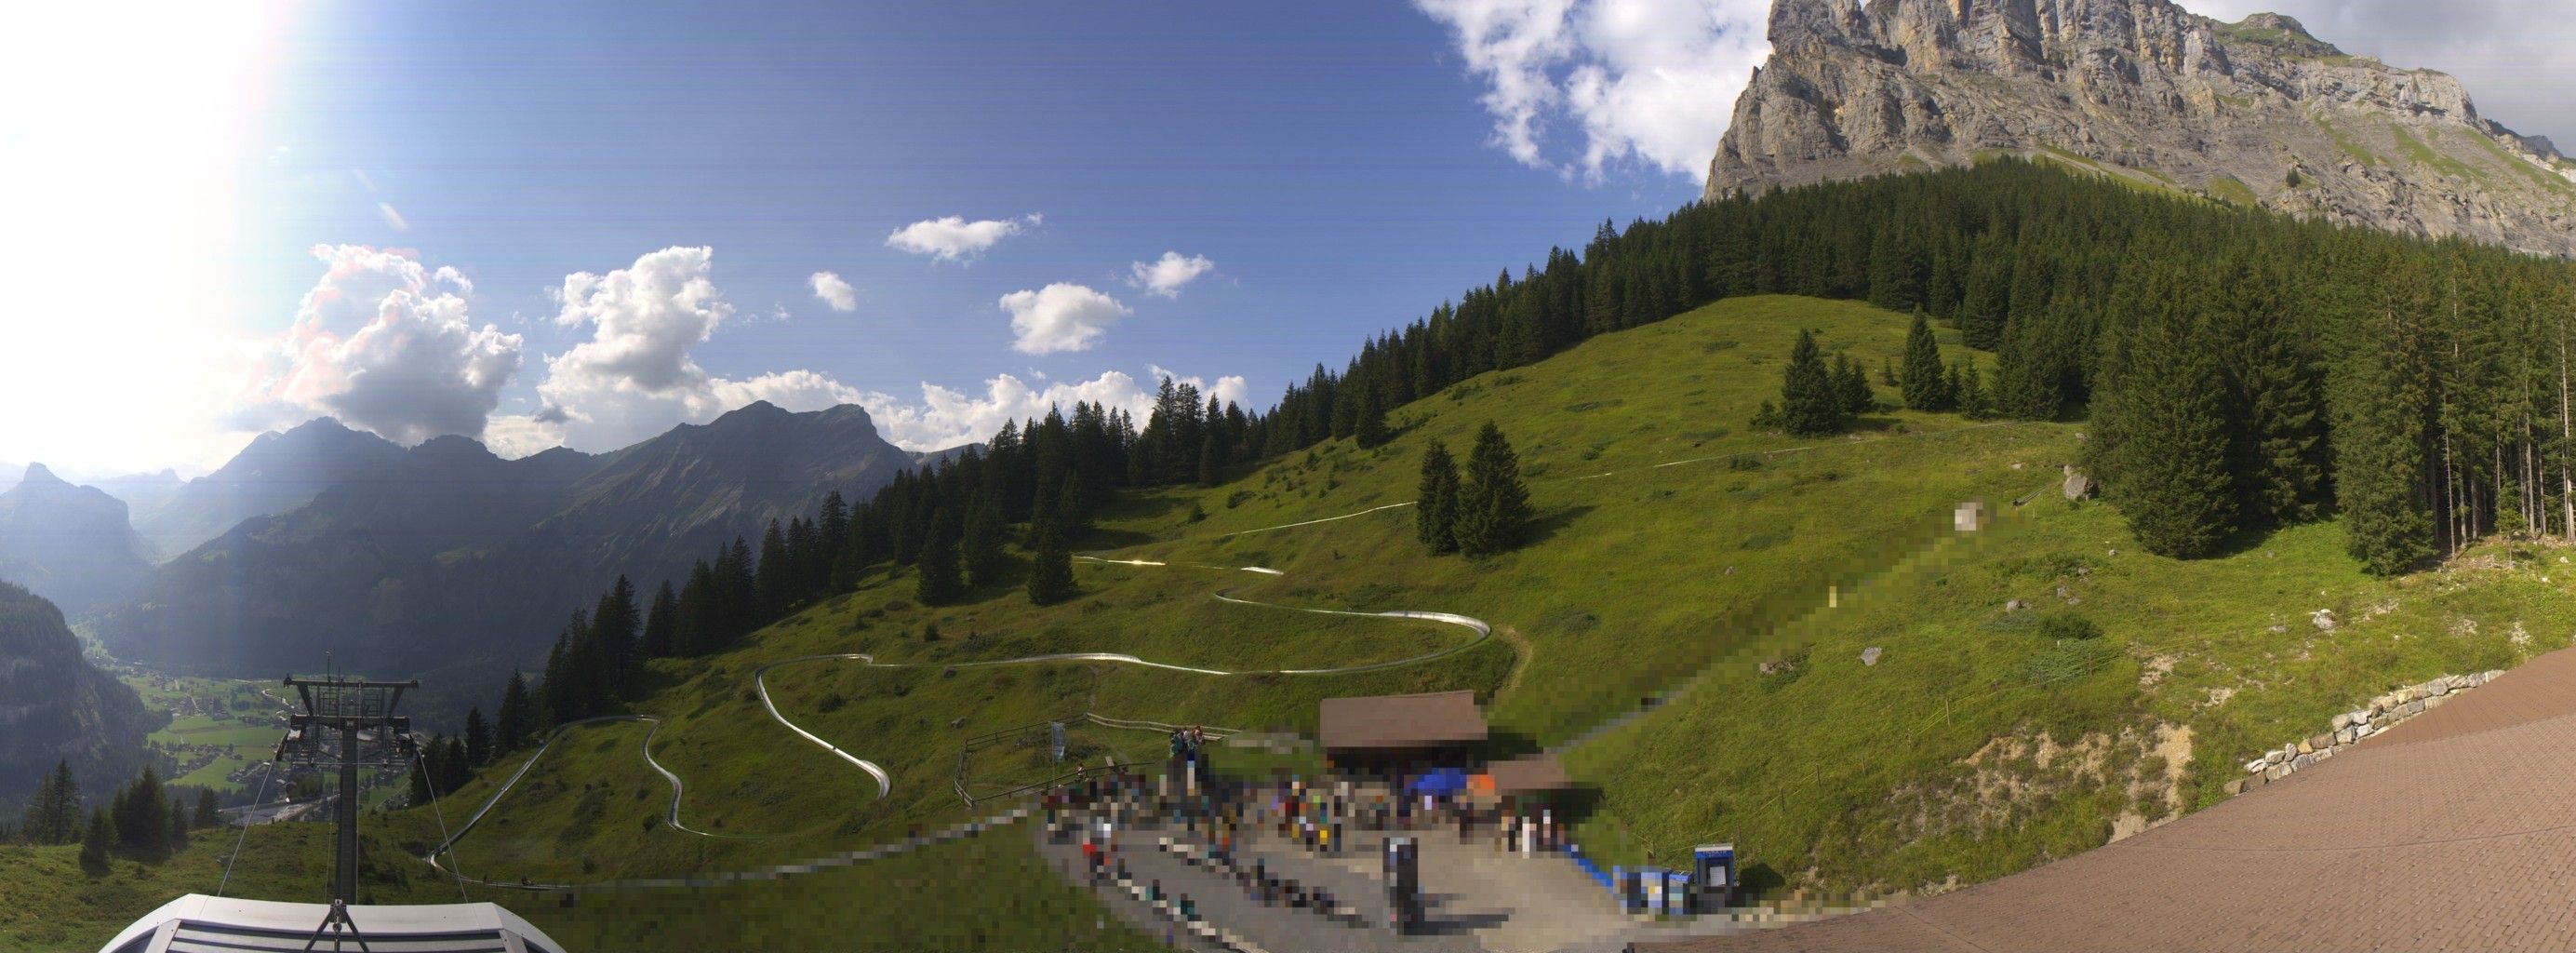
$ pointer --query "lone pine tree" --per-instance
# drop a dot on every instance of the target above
(1435, 512)
(1925, 385)
(1493, 506)
(1810, 402)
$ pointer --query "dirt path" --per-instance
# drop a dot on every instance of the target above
(2454, 830)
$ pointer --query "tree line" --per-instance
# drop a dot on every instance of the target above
(143, 818)
(2240, 368)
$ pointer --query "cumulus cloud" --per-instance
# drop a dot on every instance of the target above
(385, 344)
(1643, 83)
(635, 377)
(1060, 317)
(953, 238)
(946, 417)
(2518, 57)
(835, 292)
(1165, 276)
(644, 317)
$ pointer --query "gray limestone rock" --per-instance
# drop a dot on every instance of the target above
(2257, 110)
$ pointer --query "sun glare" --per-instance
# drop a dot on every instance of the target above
(124, 140)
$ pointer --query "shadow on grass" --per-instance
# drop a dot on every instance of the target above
(1546, 528)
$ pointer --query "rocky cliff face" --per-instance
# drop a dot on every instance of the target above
(55, 706)
(2255, 112)
(70, 544)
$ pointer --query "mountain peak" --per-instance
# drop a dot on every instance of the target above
(37, 474)
(756, 410)
(2256, 112)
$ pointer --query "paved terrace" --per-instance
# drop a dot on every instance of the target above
(2454, 830)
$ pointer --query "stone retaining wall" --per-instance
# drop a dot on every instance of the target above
(2349, 728)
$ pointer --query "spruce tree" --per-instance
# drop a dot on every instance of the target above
(941, 579)
(1211, 461)
(661, 625)
(53, 814)
(613, 627)
(96, 840)
(1371, 431)
(1051, 579)
(1926, 386)
(142, 815)
(454, 768)
(1435, 511)
(178, 825)
(1852, 384)
(478, 738)
(983, 554)
(515, 719)
(1810, 402)
(1493, 506)
(2169, 471)
(776, 577)
(208, 814)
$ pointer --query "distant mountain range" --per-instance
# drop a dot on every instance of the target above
(402, 559)
(276, 473)
(69, 544)
(55, 706)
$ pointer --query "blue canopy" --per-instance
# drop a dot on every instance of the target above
(1442, 781)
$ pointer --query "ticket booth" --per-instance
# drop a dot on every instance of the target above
(1713, 870)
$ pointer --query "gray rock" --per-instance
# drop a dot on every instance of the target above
(1869, 656)
(2140, 89)
(2321, 742)
(2077, 485)
(2015, 605)
(2323, 619)
(2412, 709)
(2437, 688)
(2257, 765)
(2343, 721)
(2234, 787)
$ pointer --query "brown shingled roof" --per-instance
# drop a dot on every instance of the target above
(1528, 775)
(1381, 722)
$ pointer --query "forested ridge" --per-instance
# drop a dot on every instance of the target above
(2239, 369)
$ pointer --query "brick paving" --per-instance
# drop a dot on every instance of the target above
(2455, 830)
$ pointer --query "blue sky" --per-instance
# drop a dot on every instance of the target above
(585, 223)
(1331, 161)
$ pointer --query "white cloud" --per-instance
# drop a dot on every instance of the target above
(385, 344)
(1649, 83)
(646, 318)
(945, 417)
(1165, 276)
(835, 292)
(1060, 317)
(634, 378)
(953, 238)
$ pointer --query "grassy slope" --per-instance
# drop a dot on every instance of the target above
(1790, 527)
(1637, 580)
(991, 894)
